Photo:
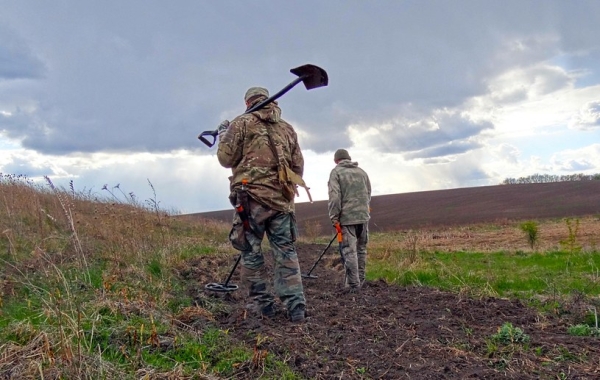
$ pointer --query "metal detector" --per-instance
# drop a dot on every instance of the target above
(309, 275)
(312, 76)
(225, 287)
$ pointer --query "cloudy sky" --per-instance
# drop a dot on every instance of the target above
(425, 95)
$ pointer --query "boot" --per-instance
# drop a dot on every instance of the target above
(297, 314)
(268, 310)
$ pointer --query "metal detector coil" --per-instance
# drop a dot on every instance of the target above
(225, 287)
(221, 288)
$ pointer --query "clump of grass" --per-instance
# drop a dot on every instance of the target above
(583, 330)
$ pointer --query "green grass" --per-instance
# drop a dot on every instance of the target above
(504, 273)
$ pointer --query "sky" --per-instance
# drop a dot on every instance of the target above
(425, 95)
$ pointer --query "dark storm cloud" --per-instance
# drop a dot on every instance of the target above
(119, 78)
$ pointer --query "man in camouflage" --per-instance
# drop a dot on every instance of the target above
(246, 146)
(349, 198)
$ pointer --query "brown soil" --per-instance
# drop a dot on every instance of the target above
(392, 332)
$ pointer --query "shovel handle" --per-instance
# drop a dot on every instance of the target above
(213, 134)
(312, 76)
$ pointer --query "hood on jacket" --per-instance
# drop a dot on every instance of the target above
(347, 163)
(270, 113)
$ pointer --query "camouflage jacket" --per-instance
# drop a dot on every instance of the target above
(349, 194)
(245, 148)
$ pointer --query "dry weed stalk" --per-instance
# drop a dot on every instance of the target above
(312, 229)
(67, 203)
(411, 244)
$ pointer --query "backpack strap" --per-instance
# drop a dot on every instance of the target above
(286, 175)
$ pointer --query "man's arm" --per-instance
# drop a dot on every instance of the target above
(230, 148)
(297, 158)
(335, 200)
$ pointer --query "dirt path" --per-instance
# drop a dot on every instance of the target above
(393, 332)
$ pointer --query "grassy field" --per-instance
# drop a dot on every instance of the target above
(468, 261)
(91, 285)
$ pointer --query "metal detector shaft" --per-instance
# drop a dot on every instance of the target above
(312, 76)
(233, 269)
(319, 259)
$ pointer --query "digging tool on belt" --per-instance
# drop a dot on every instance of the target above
(312, 76)
(309, 275)
(242, 209)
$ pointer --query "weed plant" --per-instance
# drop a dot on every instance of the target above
(531, 230)
(508, 334)
(570, 243)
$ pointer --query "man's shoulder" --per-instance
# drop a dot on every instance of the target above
(244, 118)
(284, 125)
(351, 170)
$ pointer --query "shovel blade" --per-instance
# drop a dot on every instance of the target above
(312, 76)
(309, 276)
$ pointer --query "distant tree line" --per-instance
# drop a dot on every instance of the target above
(547, 178)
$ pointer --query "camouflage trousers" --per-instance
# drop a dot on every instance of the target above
(354, 249)
(280, 228)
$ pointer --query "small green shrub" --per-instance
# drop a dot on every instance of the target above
(570, 244)
(531, 230)
(508, 334)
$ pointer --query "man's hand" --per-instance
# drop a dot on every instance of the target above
(338, 227)
(223, 127)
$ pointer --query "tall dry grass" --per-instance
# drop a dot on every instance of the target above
(71, 259)
(507, 236)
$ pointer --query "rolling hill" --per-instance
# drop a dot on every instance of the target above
(461, 206)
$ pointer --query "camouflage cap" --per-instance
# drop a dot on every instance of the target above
(341, 154)
(256, 91)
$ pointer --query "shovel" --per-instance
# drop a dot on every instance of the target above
(312, 76)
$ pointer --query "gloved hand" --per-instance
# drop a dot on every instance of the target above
(223, 127)
(338, 227)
